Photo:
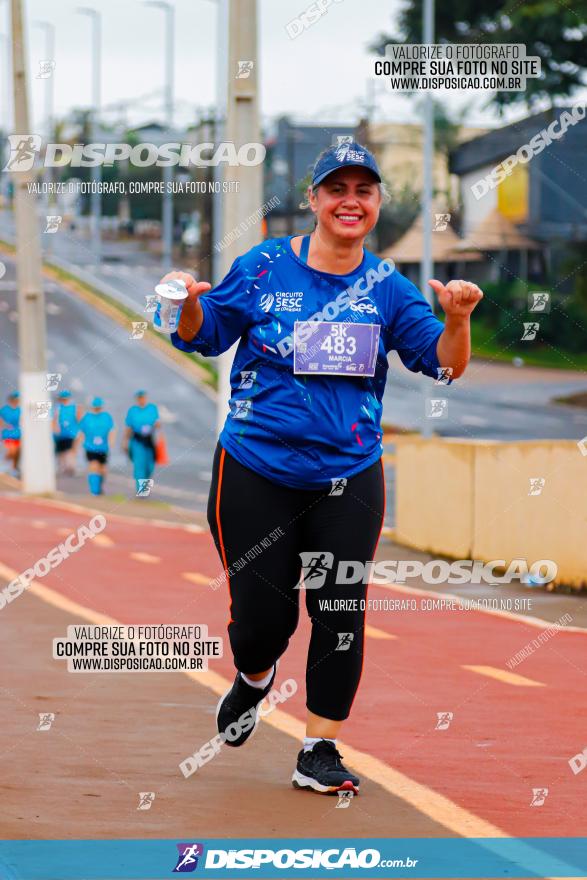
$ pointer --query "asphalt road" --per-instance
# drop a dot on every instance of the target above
(485, 404)
(96, 356)
(126, 266)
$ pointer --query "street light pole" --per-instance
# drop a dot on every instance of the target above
(96, 170)
(6, 76)
(38, 462)
(167, 201)
(6, 71)
(49, 30)
(221, 96)
(242, 126)
(426, 265)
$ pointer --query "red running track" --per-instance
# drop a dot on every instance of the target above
(503, 740)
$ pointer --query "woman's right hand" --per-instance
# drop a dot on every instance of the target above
(192, 315)
(194, 288)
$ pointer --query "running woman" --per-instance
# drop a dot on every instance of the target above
(97, 427)
(301, 447)
(142, 420)
(65, 429)
(10, 415)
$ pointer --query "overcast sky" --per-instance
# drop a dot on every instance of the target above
(319, 76)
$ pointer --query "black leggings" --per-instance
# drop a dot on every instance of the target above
(260, 529)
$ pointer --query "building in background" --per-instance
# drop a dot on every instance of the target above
(291, 152)
(539, 210)
(450, 261)
(398, 148)
(508, 252)
(523, 227)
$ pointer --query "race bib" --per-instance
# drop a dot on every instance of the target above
(146, 429)
(336, 348)
(98, 441)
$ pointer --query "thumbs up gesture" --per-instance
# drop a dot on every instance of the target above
(457, 298)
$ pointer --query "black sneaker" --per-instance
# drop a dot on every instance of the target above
(322, 770)
(236, 713)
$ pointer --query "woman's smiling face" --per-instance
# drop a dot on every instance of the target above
(346, 203)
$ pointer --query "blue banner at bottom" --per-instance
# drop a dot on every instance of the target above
(284, 858)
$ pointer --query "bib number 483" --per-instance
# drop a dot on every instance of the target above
(337, 348)
(338, 341)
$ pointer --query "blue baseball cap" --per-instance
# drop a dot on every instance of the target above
(342, 156)
(98, 401)
(140, 393)
(14, 395)
(64, 394)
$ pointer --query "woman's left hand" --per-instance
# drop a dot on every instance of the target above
(457, 298)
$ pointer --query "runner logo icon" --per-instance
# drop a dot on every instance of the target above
(187, 860)
(247, 379)
(23, 151)
(344, 641)
(53, 222)
(144, 488)
(138, 329)
(244, 69)
(42, 409)
(52, 382)
(46, 719)
(338, 486)
(146, 799)
(444, 375)
(242, 408)
(539, 302)
(530, 331)
(314, 568)
(344, 799)
(444, 719)
(539, 795)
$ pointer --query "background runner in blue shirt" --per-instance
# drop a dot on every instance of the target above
(65, 429)
(297, 472)
(97, 426)
(142, 421)
(10, 415)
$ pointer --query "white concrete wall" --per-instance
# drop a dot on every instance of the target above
(470, 500)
